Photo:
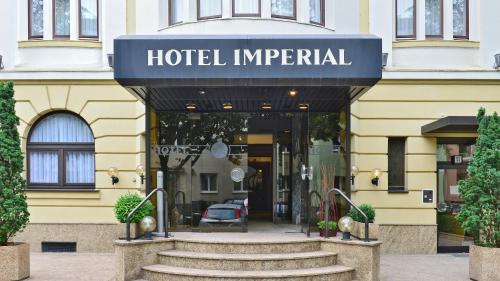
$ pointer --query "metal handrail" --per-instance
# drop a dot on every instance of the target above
(327, 207)
(165, 218)
(311, 193)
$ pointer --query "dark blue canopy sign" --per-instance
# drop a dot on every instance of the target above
(319, 60)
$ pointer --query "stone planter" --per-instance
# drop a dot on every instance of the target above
(135, 231)
(15, 261)
(359, 230)
(483, 263)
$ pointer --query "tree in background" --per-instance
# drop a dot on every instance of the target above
(13, 207)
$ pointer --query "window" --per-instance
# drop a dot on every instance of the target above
(434, 18)
(317, 11)
(405, 19)
(175, 11)
(283, 9)
(89, 13)
(396, 165)
(35, 16)
(209, 9)
(208, 182)
(461, 19)
(60, 153)
(246, 8)
(240, 186)
(61, 18)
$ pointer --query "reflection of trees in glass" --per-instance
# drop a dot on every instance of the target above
(62, 17)
(326, 126)
(282, 7)
(88, 17)
(37, 17)
(459, 17)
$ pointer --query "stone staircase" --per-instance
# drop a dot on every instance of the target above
(251, 260)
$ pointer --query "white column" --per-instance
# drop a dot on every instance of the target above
(420, 24)
(22, 20)
(303, 11)
(47, 20)
(227, 9)
(448, 19)
(474, 20)
(265, 7)
(190, 11)
(74, 21)
(330, 14)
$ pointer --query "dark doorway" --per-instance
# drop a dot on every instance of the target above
(260, 190)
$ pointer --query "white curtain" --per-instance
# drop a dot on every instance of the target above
(88, 17)
(285, 8)
(175, 11)
(315, 11)
(43, 167)
(246, 6)
(79, 167)
(405, 18)
(36, 18)
(61, 127)
(210, 8)
(433, 17)
(62, 17)
(460, 18)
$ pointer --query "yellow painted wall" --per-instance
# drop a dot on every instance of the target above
(117, 122)
(401, 108)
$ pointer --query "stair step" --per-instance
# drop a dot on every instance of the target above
(159, 272)
(225, 261)
(247, 247)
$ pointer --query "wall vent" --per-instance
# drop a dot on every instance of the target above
(58, 247)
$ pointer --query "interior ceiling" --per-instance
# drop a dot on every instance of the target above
(248, 99)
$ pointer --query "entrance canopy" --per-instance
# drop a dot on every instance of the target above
(247, 70)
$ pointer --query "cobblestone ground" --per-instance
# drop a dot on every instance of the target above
(101, 267)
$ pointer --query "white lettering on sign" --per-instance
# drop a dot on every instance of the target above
(258, 57)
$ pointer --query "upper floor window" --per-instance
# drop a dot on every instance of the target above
(434, 18)
(209, 9)
(284, 9)
(317, 11)
(61, 18)
(89, 13)
(60, 153)
(461, 19)
(405, 18)
(175, 11)
(246, 8)
(35, 16)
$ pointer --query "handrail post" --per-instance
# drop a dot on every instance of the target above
(311, 193)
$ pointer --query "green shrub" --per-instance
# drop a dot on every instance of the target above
(480, 213)
(367, 209)
(126, 203)
(13, 207)
(331, 225)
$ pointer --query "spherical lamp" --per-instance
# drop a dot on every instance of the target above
(148, 225)
(346, 225)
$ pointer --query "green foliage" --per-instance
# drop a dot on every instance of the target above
(367, 209)
(126, 203)
(480, 213)
(13, 207)
(331, 225)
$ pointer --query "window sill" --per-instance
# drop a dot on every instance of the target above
(59, 44)
(439, 43)
(63, 194)
(240, 192)
(209, 192)
(398, 191)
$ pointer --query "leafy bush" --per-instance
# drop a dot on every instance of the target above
(331, 225)
(13, 207)
(126, 203)
(480, 213)
(357, 216)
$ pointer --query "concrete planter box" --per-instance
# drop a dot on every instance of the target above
(14, 261)
(135, 231)
(359, 230)
(483, 263)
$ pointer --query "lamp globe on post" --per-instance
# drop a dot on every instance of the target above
(375, 176)
(354, 173)
(113, 173)
(140, 172)
(148, 225)
(346, 225)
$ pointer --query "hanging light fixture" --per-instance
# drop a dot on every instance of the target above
(266, 106)
(293, 92)
(227, 106)
(190, 106)
(303, 106)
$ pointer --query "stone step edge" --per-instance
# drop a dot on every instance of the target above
(249, 242)
(247, 257)
(183, 271)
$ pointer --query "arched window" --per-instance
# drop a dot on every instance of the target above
(60, 153)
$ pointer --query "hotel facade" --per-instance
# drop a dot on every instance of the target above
(287, 94)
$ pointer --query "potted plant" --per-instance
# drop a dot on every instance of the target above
(124, 205)
(332, 228)
(480, 191)
(359, 222)
(14, 257)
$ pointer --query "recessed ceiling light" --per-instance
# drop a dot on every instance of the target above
(202, 92)
(227, 106)
(293, 92)
(190, 106)
(303, 106)
(266, 105)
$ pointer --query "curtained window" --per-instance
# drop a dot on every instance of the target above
(175, 11)
(245, 8)
(35, 18)
(461, 19)
(283, 9)
(405, 18)
(60, 153)
(89, 13)
(61, 18)
(433, 18)
(208, 9)
(317, 11)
